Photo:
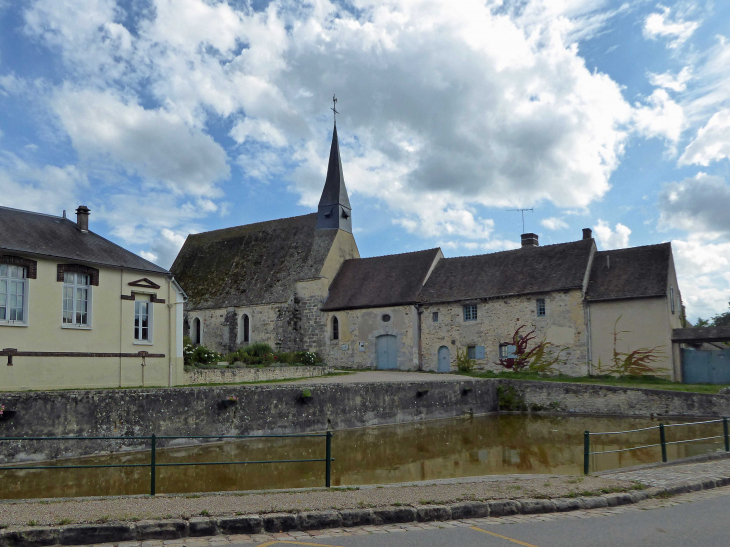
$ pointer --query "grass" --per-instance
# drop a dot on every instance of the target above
(646, 382)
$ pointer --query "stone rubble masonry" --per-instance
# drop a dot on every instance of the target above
(252, 374)
(563, 326)
(279, 408)
(172, 529)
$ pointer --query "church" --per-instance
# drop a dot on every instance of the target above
(300, 284)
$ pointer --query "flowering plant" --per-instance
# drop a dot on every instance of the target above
(2, 409)
(309, 358)
(233, 398)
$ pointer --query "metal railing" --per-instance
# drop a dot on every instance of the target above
(662, 440)
(153, 465)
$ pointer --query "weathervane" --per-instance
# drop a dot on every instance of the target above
(523, 216)
(334, 107)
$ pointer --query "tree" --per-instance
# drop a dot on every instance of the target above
(720, 320)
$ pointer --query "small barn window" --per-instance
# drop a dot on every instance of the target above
(541, 307)
(471, 352)
(507, 351)
(470, 313)
(246, 326)
(335, 329)
(435, 317)
(196, 331)
(671, 297)
(386, 318)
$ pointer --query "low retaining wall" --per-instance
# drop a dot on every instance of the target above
(260, 409)
(610, 400)
(280, 408)
(252, 374)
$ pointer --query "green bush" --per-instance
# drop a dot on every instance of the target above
(204, 356)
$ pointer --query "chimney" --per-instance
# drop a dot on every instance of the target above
(82, 218)
(587, 233)
(529, 240)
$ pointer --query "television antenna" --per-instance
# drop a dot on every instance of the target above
(523, 215)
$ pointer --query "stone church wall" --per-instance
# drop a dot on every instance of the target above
(359, 330)
(498, 319)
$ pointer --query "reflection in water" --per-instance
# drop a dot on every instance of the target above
(484, 445)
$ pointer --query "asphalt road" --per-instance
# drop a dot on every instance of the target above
(704, 523)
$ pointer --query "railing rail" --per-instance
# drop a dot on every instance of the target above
(662, 440)
(153, 465)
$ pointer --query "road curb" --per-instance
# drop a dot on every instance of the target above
(168, 529)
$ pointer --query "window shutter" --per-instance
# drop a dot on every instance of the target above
(480, 352)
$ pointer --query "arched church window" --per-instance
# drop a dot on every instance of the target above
(246, 327)
(335, 329)
(196, 331)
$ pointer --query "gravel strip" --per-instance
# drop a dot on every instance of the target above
(133, 508)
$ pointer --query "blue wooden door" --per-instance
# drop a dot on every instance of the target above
(387, 352)
(444, 360)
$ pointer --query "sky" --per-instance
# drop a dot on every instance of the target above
(171, 117)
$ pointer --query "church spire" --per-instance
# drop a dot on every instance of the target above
(334, 206)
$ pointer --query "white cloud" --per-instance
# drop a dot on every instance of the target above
(554, 223)
(164, 248)
(662, 117)
(444, 106)
(674, 82)
(612, 239)
(698, 204)
(703, 273)
(155, 144)
(712, 142)
(661, 25)
(47, 189)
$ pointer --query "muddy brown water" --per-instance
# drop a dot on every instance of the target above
(461, 447)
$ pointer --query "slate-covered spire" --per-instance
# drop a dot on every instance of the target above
(334, 205)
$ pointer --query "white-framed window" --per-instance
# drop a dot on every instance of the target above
(76, 300)
(541, 310)
(13, 295)
(142, 322)
(470, 312)
(507, 351)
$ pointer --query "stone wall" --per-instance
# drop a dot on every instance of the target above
(359, 329)
(498, 319)
(281, 409)
(252, 374)
(202, 411)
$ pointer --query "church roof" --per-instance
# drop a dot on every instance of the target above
(252, 264)
(380, 281)
(58, 237)
(635, 272)
(334, 191)
(527, 270)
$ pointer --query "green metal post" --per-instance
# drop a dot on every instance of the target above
(586, 452)
(663, 440)
(153, 462)
(328, 457)
(727, 438)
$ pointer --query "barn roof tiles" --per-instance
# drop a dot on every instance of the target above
(380, 281)
(636, 272)
(526, 270)
(252, 264)
(58, 237)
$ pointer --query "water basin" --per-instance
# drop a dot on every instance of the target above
(461, 447)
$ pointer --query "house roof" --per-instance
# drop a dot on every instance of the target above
(334, 191)
(380, 281)
(635, 272)
(58, 237)
(525, 270)
(252, 264)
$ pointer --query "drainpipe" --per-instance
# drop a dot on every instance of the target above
(171, 324)
(121, 317)
(589, 349)
(419, 313)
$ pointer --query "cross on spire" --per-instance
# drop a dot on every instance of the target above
(334, 107)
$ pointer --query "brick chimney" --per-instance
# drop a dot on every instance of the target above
(82, 218)
(529, 240)
(587, 233)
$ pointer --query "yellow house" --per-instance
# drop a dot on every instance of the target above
(78, 311)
